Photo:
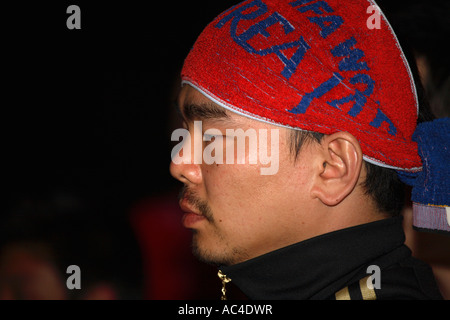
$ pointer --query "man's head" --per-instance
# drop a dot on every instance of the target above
(240, 214)
(336, 96)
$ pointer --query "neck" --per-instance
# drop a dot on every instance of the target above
(356, 209)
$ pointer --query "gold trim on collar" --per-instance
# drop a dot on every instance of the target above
(342, 294)
(367, 292)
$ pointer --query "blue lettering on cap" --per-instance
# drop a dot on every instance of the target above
(299, 3)
(351, 56)
(327, 24)
(261, 27)
(317, 93)
(237, 15)
(380, 118)
(359, 97)
(317, 7)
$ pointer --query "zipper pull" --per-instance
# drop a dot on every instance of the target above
(225, 280)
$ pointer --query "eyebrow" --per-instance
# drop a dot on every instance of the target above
(203, 111)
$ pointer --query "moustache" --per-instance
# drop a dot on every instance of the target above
(192, 198)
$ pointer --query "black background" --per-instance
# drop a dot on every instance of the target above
(86, 121)
(89, 111)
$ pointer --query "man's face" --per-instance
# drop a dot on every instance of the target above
(236, 213)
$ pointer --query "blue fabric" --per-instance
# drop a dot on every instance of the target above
(431, 185)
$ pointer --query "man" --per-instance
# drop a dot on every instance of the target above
(337, 100)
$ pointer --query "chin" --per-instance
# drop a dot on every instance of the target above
(221, 255)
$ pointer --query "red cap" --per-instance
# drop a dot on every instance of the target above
(312, 65)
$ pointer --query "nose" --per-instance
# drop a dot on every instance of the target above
(182, 165)
(187, 173)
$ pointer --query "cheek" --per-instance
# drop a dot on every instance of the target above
(230, 180)
(232, 191)
(251, 211)
(239, 194)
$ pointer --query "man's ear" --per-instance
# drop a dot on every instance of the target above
(338, 164)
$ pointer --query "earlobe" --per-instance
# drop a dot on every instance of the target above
(340, 166)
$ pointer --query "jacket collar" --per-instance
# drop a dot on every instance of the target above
(317, 267)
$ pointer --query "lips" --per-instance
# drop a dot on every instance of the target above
(190, 217)
(185, 207)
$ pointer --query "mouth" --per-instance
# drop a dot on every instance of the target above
(191, 217)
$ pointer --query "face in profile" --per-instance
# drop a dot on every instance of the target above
(235, 212)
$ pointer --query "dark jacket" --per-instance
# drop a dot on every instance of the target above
(335, 266)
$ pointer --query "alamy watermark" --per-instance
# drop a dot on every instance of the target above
(374, 281)
(74, 280)
(74, 20)
(374, 21)
(229, 147)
